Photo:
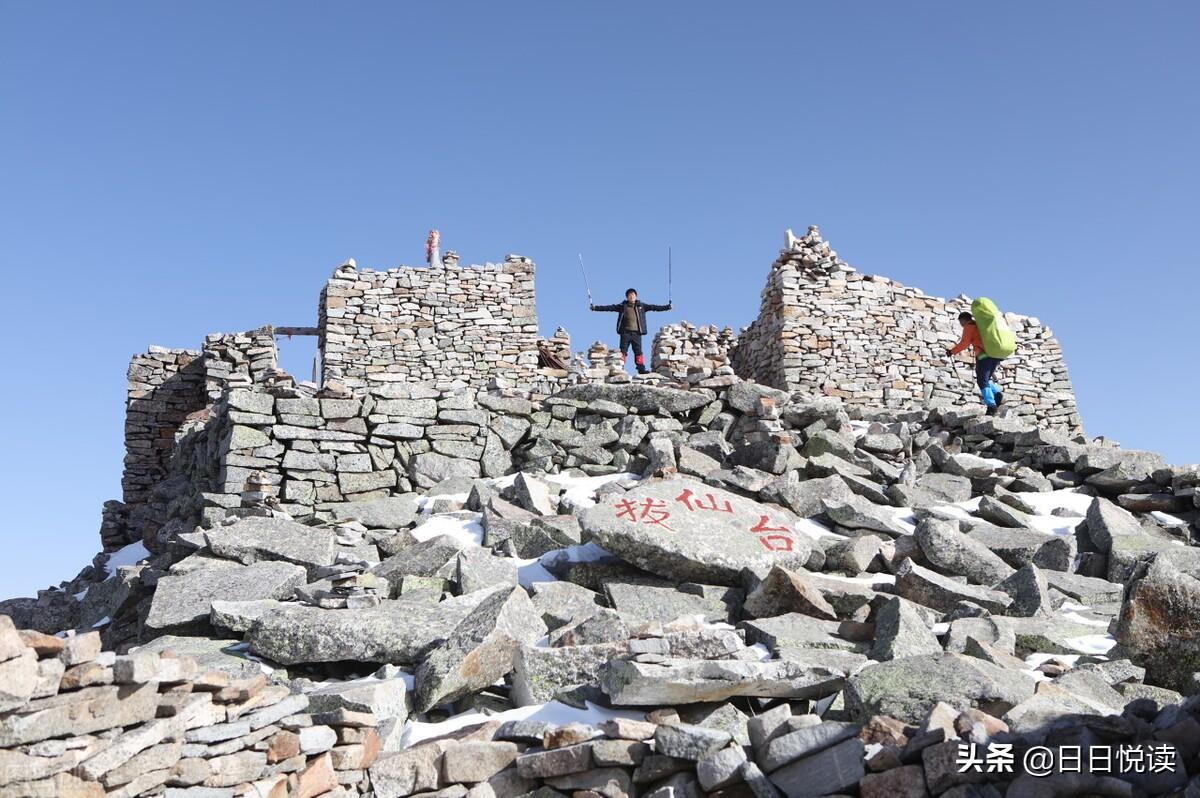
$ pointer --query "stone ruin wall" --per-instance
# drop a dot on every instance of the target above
(429, 325)
(164, 386)
(166, 389)
(824, 328)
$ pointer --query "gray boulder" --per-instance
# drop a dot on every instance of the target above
(900, 631)
(674, 681)
(646, 399)
(480, 650)
(806, 497)
(1159, 626)
(392, 512)
(540, 674)
(257, 538)
(942, 593)
(394, 631)
(1030, 592)
(182, 603)
(687, 531)
(952, 552)
(908, 688)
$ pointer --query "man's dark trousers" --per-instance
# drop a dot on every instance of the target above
(634, 340)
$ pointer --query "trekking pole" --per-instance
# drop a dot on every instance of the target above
(585, 279)
(668, 274)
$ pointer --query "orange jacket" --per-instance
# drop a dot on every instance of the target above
(970, 337)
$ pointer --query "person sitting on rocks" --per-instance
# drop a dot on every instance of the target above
(631, 325)
(985, 366)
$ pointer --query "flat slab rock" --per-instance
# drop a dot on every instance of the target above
(683, 681)
(184, 601)
(257, 538)
(687, 531)
(392, 512)
(395, 631)
(907, 688)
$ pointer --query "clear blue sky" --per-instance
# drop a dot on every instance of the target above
(171, 169)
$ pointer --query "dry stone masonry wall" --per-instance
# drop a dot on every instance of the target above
(414, 325)
(164, 386)
(825, 328)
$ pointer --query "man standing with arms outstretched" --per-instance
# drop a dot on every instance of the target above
(631, 324)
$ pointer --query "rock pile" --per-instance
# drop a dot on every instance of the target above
(77, 721)
(651, 590)
(687, 352)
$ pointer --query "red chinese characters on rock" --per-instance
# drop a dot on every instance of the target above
(657, 512)
(687, 496)
(648, 511)
(778, 542)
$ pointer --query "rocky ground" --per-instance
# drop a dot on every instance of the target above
(769, 597)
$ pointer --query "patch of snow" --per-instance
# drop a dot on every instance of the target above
(859, 428)
(551, 712)
(102, 622)
(126, 555)
(1097, 645)
(961, 510)
(1166, 519)
(579, 493)
(763, 652)
(1071, 606)
(1054, 525)
(462, 526)
(871, 749)
(243, 650)
(82, 594)
(1067, 498)
(1075, 617)
(425, 503)
(904, 517)
(1035, 661)
(940, 629)
(500, 483)
(530, 572)
(870, 580)
(814, 530)
(535, 570)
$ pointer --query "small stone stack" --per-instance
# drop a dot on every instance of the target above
(558, 344)
(684, 351)
(260, 495)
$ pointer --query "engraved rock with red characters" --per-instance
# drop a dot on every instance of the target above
(688, 531)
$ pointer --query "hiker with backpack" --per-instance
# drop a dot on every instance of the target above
(631, 324)
(991, 340)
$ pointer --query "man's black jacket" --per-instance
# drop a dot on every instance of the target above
(641, 307)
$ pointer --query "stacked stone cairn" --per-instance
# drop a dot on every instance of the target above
(685, 351)
(624, 589)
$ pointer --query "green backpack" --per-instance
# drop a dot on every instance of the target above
(998, 339)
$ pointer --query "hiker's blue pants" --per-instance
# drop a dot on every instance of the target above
(985, 367)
